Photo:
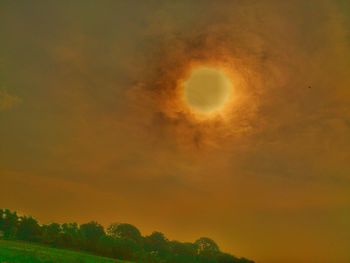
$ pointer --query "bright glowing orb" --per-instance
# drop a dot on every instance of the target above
(207, 90)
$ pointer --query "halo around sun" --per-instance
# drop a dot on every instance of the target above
(207, 90)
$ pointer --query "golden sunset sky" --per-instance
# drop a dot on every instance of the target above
(94, 126)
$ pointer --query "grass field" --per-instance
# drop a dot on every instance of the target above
(21, 252)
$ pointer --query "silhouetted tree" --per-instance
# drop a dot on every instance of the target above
(28, 229)
(70, 236)
(123, 241)
(91, 233)
(158, 245)
(8, 223)
(206, 247)
(51, 233)
(124, 231)
(185, 248)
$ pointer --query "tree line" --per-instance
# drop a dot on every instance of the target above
(119, 241)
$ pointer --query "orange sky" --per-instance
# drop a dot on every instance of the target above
(91, 126)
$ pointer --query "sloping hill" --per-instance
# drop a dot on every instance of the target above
(21, 252)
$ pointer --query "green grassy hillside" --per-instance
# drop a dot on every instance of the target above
(21, 252)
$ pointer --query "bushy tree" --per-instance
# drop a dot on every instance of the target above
(183, 252)
(123, 241)
(70, 236)
(206, 247)
(124, 231)
(156, 242)
(91, 232)
(185, 248)
(28, 229)
(51, 233)
(8, 223)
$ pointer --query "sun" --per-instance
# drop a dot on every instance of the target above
(207, 90)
